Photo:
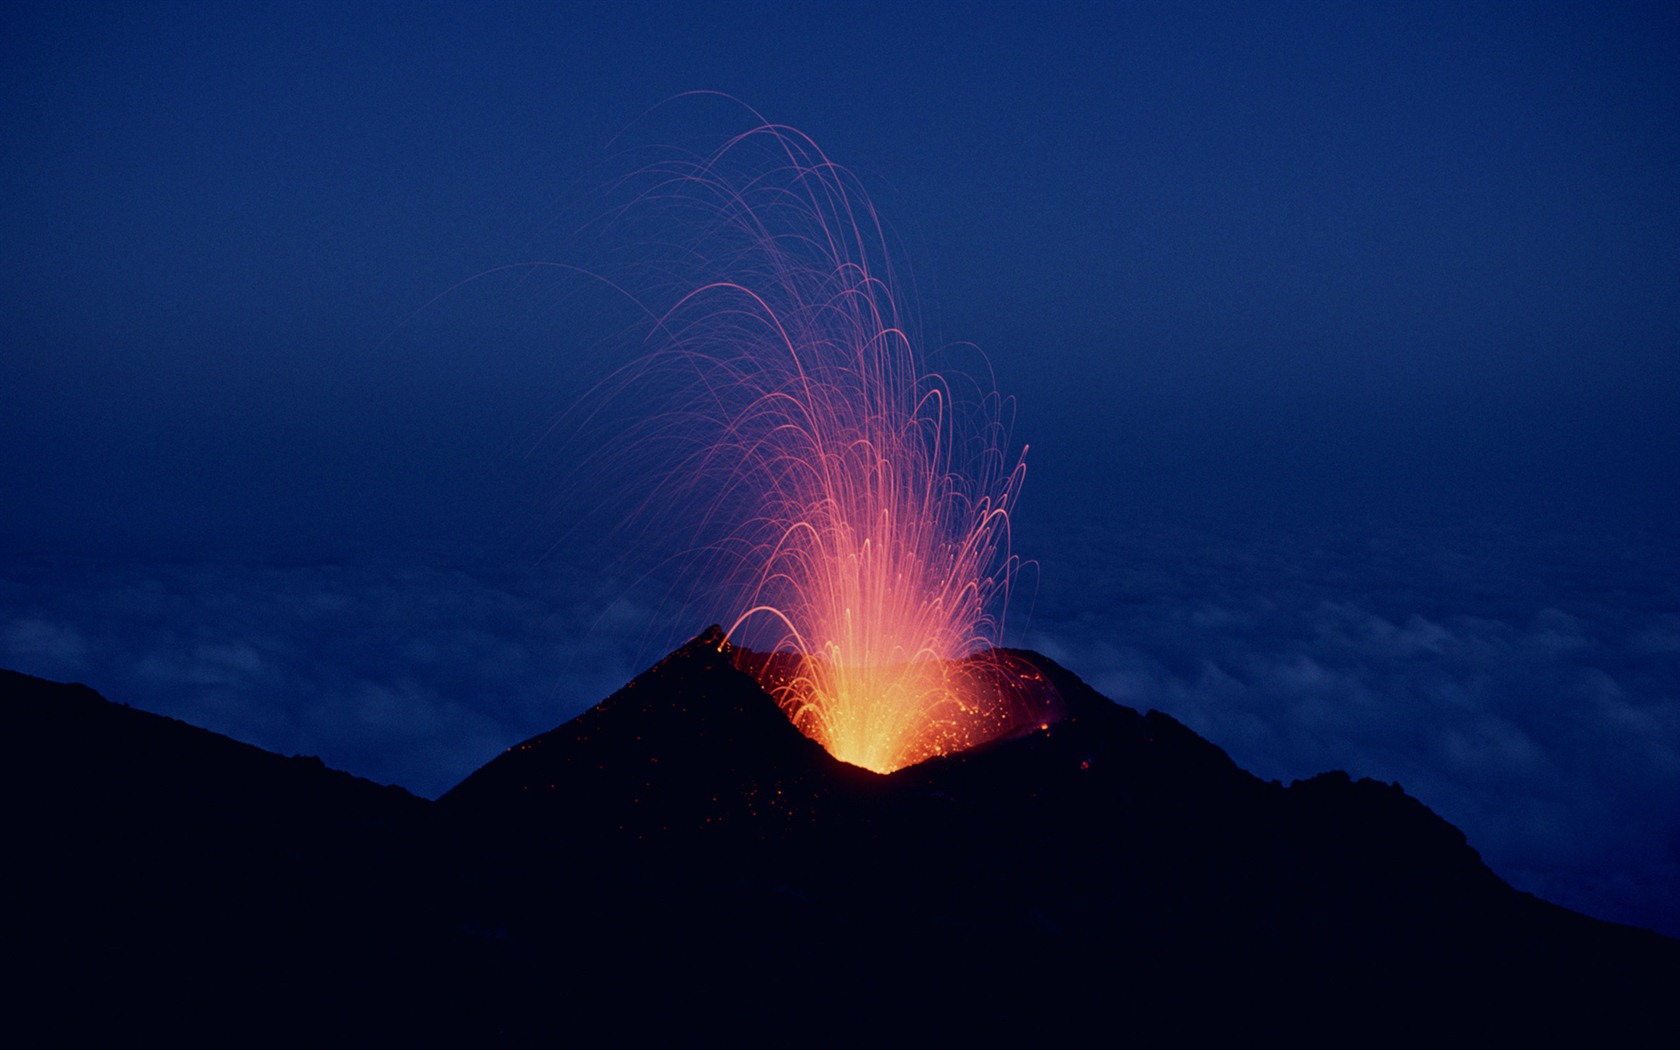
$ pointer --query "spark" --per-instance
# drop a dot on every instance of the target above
(854, 502)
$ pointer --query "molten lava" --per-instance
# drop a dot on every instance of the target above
(888, 717)
(853, 503)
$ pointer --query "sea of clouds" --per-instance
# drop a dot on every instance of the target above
(1523, 684)
(402, 673)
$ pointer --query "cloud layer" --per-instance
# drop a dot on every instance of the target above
(403, 674)
(1523, 685)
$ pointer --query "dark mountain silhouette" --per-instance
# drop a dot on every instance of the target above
(162, 878)
(680, 861)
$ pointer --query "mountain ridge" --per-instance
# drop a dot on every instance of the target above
(682, 829)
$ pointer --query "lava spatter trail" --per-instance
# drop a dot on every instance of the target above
(843, 505)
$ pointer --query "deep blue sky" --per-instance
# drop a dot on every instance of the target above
(1346, 338)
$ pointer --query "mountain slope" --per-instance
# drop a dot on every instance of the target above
(680, 859)
(163, 878)
(1109, 850)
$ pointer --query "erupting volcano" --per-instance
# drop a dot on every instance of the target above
(851, 504)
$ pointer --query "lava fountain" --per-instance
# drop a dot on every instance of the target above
(855, 503)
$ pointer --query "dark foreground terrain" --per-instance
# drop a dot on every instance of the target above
(679, 862)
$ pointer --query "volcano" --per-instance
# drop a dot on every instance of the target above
(680, 861)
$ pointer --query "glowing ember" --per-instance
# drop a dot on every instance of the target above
(856, 504)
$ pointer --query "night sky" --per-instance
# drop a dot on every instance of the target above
(1346, 339)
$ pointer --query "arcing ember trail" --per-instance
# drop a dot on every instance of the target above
(850, 506)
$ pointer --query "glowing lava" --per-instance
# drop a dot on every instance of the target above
(857, 505)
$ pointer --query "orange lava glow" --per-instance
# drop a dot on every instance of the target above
(856, 501)
(881, 571)
(888, 717)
